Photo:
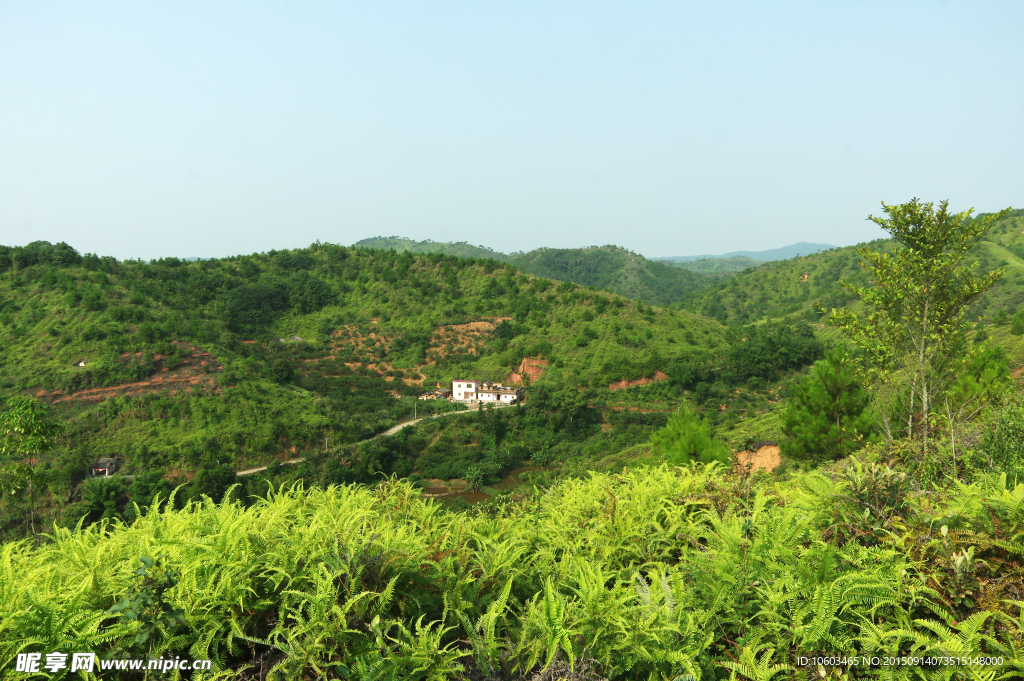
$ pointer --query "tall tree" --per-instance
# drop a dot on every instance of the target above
(914, 334)
(26, 431)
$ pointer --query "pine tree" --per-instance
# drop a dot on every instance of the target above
(829, 415)
(686, 438)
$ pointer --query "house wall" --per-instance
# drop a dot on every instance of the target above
(466, 392)
(496, 397)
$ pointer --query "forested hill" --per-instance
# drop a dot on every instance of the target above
(277, 347)
(792, 287)
(615, 269)
(608, 267)
(400, 244)
(716, 267)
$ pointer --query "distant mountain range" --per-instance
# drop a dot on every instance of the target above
(784, 253)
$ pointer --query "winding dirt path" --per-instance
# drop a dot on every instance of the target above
(389, 431)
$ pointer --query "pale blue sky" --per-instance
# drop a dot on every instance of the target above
(206, 129)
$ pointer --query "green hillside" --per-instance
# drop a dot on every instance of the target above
(213, 366)
(781, 288)
(792, 287)
(717, 267)
(615, 269)
(608, 267)
(400, 244)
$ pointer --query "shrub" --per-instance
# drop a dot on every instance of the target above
(1004, 444)
(256, 304)
(1017, 324)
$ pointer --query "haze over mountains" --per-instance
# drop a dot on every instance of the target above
(800, 248)
(465, 249)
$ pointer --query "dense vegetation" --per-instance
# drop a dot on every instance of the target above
(607, 267)
(644, 575)
(718, 267)
(614, 269)
(460, 249)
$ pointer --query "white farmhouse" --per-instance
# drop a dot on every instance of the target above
(484, 391)
(464, 390)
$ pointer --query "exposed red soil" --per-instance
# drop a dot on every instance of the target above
(196, 369)
(643, 380)
(456, 338)
(370, 348)
(765, 458)
(530, 367)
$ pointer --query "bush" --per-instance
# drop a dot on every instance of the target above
(256, 304)
(1017, 324)
(104, 498)
(1004, 444)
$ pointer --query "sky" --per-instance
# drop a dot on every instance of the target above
(197, 129)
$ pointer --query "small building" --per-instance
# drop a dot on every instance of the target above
(79, 363)
(464, 390)
(492, 392)
(105, 467)
(484, 391)
(437, 394)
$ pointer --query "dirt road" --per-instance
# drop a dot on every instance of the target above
(389, 431)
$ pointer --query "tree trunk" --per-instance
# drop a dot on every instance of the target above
(922, 352)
